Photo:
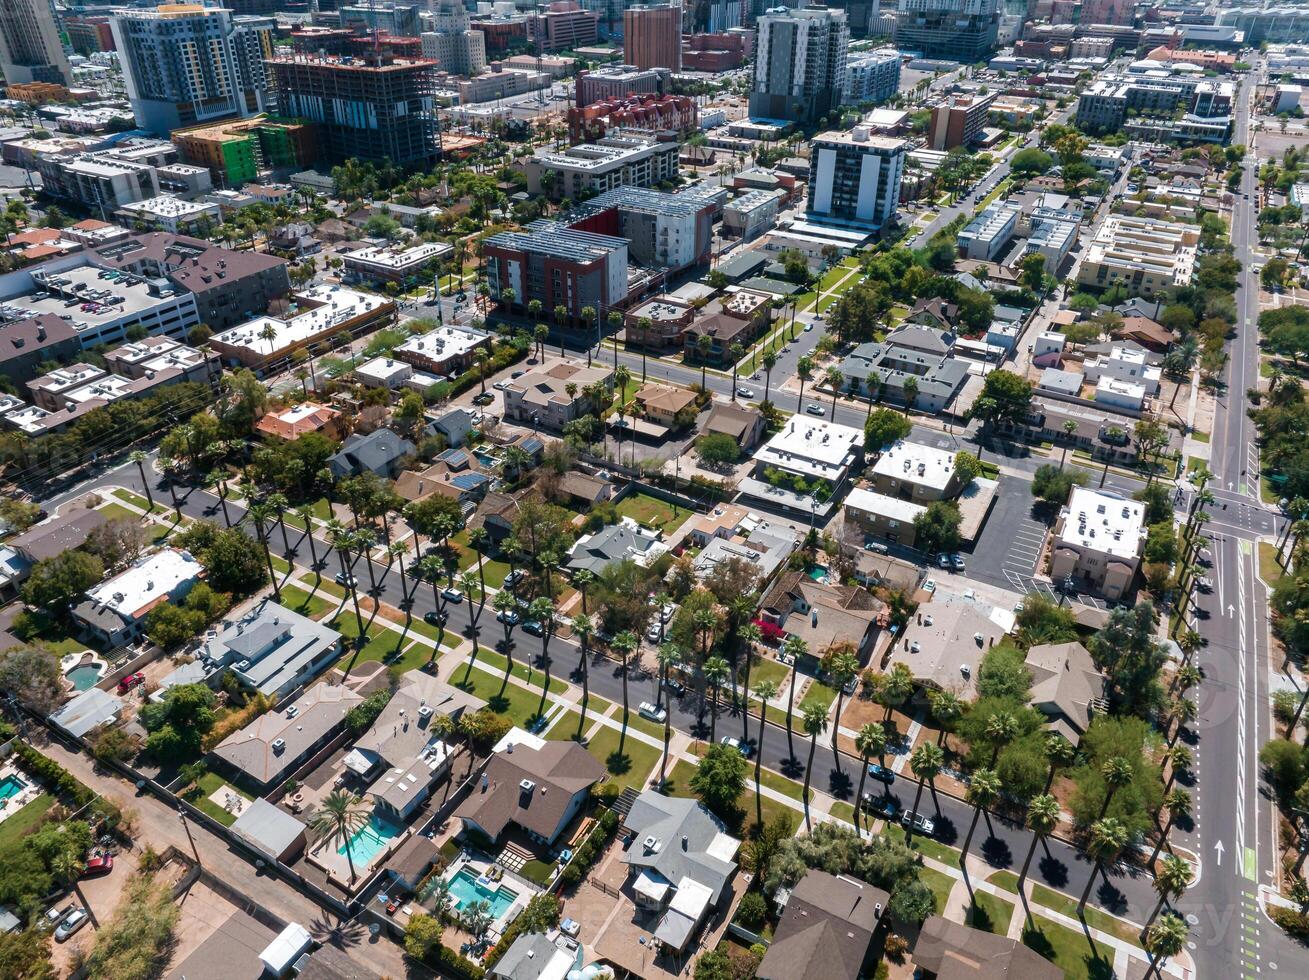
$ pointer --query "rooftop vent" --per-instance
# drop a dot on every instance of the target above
(527, 786)
(279, 745)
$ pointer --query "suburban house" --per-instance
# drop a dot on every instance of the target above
(549, 398)
(944, 642)
(823, 615)
(758, 542)
(1150, 334)
(378, 452)
(1098, 541)
(535, 956)
(271, 830)
(291, 423)
(537, 786)
(953, 951)
(743, 422)
(277, 743)
(496, 513)
(936, 312)
(455, 425)
(272, 650)
(661, 404)
(826, 930)
(582, 488)
(615, 543)
(114, 611)
(86, 712)
(681, 863)
(53, 537)
(1066, 687)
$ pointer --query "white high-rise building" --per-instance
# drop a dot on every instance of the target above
(30, 49)
(800, 64)
(854, 177)
(457, 49)
(187, 64)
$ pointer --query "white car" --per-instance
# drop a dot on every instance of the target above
(74, 921)
(745, 392)
(452, 595)
(813, 408)
(652, 712)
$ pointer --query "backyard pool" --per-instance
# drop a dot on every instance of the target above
(84, 678)
(818, 573)
(370, 839)
(11, 786)
(486, 459)
(465, 889)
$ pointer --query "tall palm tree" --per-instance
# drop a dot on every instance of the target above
(770, 362)
(625, 643)
(983, 790)
(1108, 838)
(1172, 877)
(897, 684)
(1059, 752)
(260, 513)
(139, 459)
(765, 691)
(340, 814)
(815, 723)
(506, 607)
(279, 504)
(1042, 819)
(834, 379)
(397, 551)
(869, 741)
(1178, 804)
(582, 629)
(474, 615)
(843, 667)
(477, 539)
(306, 515)
(668, 655)
(795, 648)
(1069, 427)
(429, 568)
(1165, 938)
(1117, 773)
(716, 670)
(542, 610)
(342, 542)
(1177, 760)
(926, 762)
(804, 370)
(704, 344)
(750, 636)
(171, 468)
(947, 708)
(736, 351)
(1001, 728)
(216, 479)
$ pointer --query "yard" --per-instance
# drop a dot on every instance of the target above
(990, 913)
(940, 884)
(516, 703)
(117, 512)
(32, 626)
(1080, 958)
(297, 600)
(136, 500)
(650, 511)
(633, 767)
(198, 796)
(25, 819)
(679, 784)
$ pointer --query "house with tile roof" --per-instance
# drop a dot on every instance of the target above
(826, 930)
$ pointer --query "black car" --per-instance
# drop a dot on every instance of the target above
(879, 805)
(533, 627)
(435, 618)
(674, 687)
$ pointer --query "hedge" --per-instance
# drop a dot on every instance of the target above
(590, 850)
(505, 355)
(1296, 924)
(55, 777)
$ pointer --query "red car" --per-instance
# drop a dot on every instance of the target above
(99, 865)
(131, 681)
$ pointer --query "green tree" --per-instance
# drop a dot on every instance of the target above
(815, 723)
(926, 763)
(1054, 485)
(885, 427)
(55, 584)
(1108, 839)
(1042, 819)
(869, 741)
(341, 814)
(423, 936)
(937, 527)
(719, 780)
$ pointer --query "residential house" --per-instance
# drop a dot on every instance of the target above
(662, 404)
(584, 489)
(937, 312)
(948, 950)
(1098, 541)
(1150, 334)
(272, 649)
(681, 864)
(806, 466)
(53, 537)
(86, 712)
(881, 517)
(615, 543)
(542, 398)
(945, 641)
(823, 615)
(536, 785)
(271, 830)
(826, 930)
(1066, 687)
(723, 330)
(114, 611)
(452, 474)
(455, 426)
(760, 543)
(291, 423)
(409, 865)
(379, 452)
(535, 956)
(297, 238)
(873, 570)
(883, 370)
(744, 422)
(496, 513)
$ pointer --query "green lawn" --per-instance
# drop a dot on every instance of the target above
(381, 644)
(1004, 879)
(990, 913)
(679, 784)
(769, 670)
(157, 532)
(25, 819)
(818, 693)
(844, 811)
(496, 662)
(298, 600)
(926, 845)
(1059, 902)
(32, 626)
(448, 642)
(117, 512)
(650, 511)
(331, 588)
(280, 564)
(1199, 436)
(198, 797)
(1072, 952)
(537, 871)
(940, 883)
(517, 704)
(633, 767)
(1269, 570)
(564, 726)
(136, 500)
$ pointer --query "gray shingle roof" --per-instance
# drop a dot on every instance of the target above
(690, 841)
(376, 452)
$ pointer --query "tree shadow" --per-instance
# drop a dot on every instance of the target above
(1053, 871)
(997, 853)
(839, 785)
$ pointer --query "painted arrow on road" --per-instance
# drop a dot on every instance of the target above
(1218, 846)
(1231, 609)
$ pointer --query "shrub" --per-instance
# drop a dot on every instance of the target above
(591, 848)
(1295, 924)
(752, 912)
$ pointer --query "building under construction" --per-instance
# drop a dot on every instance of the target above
(239, 150)
(643, 113)
(373, 107)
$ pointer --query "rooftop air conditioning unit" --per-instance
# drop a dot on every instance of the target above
(279, 745)
(651, 844)
(292, 711)
(425, 711)
(243, 665)
(527, 786)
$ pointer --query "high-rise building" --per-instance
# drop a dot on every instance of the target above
(30, 49)
(958, 121)
(186, 64)
(872, 76)
(453, 45)
(1119, 12)
(652, 36)
(799, 64)
(618, 81)
(854, 177)
(87, 35)
(400, 19)
(714, 16)
(371, 108)
(564, 25)
(956, 30)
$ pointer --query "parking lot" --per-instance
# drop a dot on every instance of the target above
(1011, 540)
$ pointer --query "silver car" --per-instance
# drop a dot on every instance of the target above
(74, 921)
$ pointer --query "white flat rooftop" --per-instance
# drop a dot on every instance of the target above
(393, 257)
(1104, 522)
(882, 505)
(914, 463)
(338, 305)
(813, 448)
(153, 577)
(443, 342)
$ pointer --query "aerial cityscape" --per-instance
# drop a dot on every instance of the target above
(584, 489)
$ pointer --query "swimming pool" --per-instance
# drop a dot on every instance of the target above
(465, 890)
(486, 459)
(11, 786)
(370, 839)
(85, 677)
(818, 573)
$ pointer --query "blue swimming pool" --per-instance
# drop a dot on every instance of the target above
(466, 890)
(11, 786)
(85, 677)
(372, 837)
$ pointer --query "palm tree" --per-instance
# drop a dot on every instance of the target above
(983, 790)
(1060, 753)
(171, 468)
(396, 550)
(1108, 838)
(477, 538)
(480, 359)
(1177, 760)
(539, 333)
(946, 709)
(804, 370)
(341, 815)
(926, 762)
(615, 319)
(795, 648)
(1165, 938)
(897, 685)
(833, 378)
(735, 351)
(869, 741)
(279, 503)
(306, 515)
(842, 667)
(582, 629)
(765, 691)
(216, 479)
(1172, 877)
(1178, 804)
(139, 459)
(542, 610)
(342, 541)
(1042, 819)
(750, 635)
(261, 512)
(1001, 728)
(1116, 772)
(625, 643)
(815, 723)
(1069, 428)
(506, 611)
(716, 670)
(770, 361)
(910, 389)
(704, 345)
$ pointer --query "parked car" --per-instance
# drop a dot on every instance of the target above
(674, 687)
(507, 616)
(514, 577)
(745, 748)
(921, 824)
(745, 392)
(75, 920)
(813, 408)
(879, 805)
(484, 399)
(131, 681)
(653, 712)
(56, 914)
(500, 385)
(452, 595)
(808, 327)
(957, 562)
(435, 618)
(943, 561)
(653, 633)
(346, 579)
(99, 865)
(534, 627)
(880, 773)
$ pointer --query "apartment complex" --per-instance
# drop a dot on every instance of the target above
(854, 177)
(186, 64)
(87, 35)
(986, 236)
(237, 151)
(872, 76)
(558, 266)
(955, 30)
(592, 168)
(30, 48)
(1143, 255)
(402, 262)
(665, 231)
(1098, 542)
(551, 397)
(373, 109)
(958, 121)
(652, 36)
(454, 45)
(800, 64)
(621, 81)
